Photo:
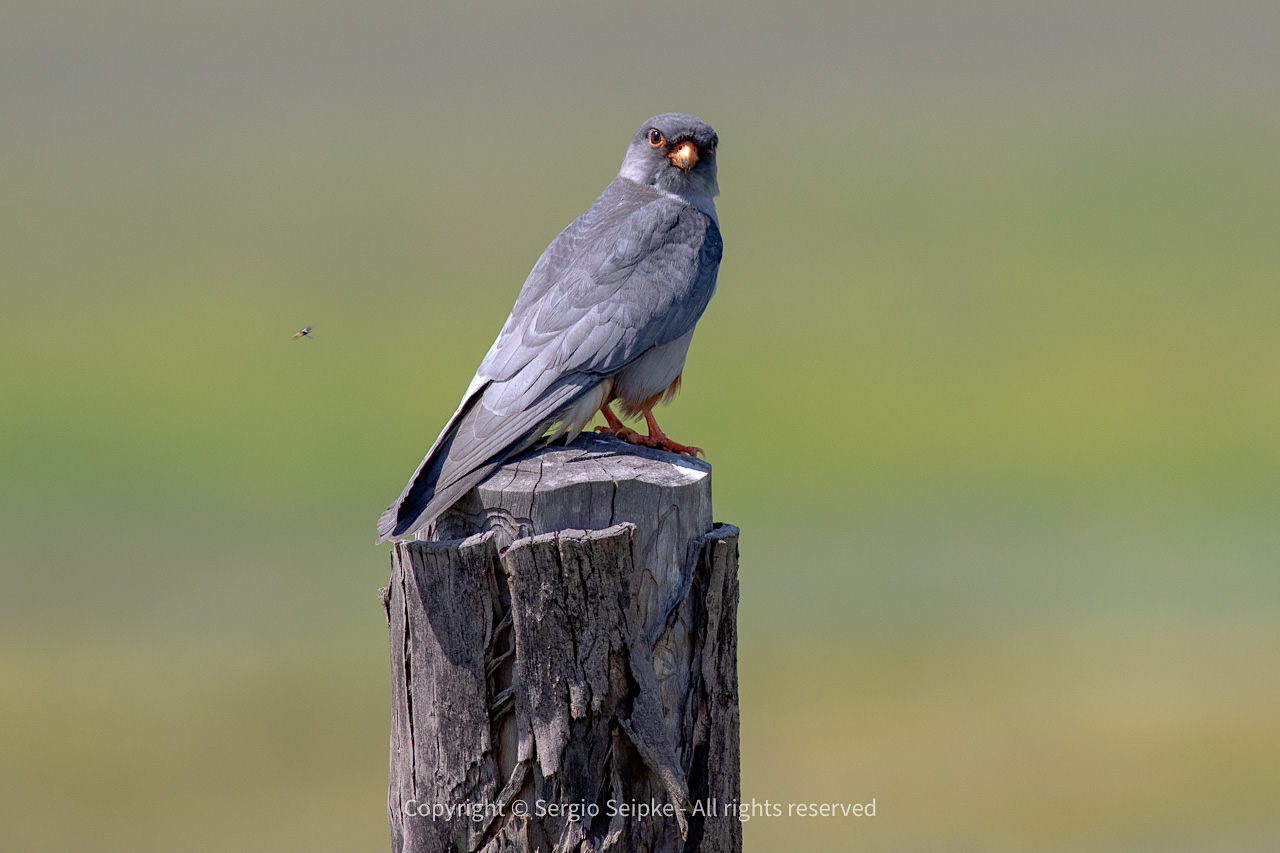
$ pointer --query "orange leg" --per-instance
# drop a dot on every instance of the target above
(656, 437)
(617, 428)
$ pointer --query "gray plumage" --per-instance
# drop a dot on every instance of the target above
(606, 313)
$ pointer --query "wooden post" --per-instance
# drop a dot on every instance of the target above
(564, 662)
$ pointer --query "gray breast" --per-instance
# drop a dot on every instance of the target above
(652, 373)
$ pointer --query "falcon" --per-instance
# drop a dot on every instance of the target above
(604, 319)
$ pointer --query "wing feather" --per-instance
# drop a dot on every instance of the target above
(634, 272)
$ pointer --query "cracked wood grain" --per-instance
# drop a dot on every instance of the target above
(568, 638)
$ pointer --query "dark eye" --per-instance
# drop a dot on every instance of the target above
(655, 138)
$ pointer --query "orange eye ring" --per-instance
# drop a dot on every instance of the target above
(656, 139)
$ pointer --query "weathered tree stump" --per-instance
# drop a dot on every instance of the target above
(564, 662)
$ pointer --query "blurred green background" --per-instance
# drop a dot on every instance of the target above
(991, 385)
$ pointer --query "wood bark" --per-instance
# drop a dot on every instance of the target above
(564, 658)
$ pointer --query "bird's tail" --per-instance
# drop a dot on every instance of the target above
(474, 443)
(428, 492)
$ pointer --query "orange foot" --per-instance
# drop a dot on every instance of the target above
(617, 428)
(656, 438)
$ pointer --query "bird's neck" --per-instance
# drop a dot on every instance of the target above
(703, 202)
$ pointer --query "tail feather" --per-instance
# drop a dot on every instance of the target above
(425, 502)
(474, 443)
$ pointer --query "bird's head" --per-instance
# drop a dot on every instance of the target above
(674, 152)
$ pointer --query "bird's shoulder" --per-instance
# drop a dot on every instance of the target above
(628, 225)
(633, 271)
(629, 220)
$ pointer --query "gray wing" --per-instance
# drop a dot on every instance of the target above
(634, 272)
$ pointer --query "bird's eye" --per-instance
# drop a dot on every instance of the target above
(655, 138)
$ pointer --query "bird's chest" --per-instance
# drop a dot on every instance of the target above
(652, 373)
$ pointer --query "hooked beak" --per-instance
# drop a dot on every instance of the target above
(684, 156)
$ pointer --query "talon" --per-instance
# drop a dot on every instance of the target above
(687, 450)
(624, 433)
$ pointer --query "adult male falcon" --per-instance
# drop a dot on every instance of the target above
(605, 316)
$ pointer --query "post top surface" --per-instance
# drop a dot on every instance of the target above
(597, 458)
(593, 483)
